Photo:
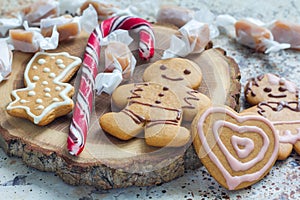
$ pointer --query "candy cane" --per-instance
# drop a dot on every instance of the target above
(85, 97)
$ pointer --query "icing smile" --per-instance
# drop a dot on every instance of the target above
(277, 96)
(171, 79)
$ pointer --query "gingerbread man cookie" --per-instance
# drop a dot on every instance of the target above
(277, 99)
(237, 149)
(151, 107)
(285, 116)
(46, 94)
(180, 75)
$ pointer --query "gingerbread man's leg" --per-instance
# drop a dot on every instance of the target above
(163, 129)
(161, 135)
(125, 124)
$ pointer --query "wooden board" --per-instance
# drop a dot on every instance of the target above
(107, 162)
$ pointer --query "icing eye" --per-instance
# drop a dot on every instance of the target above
(186, 72)
(282, 89)
(266, 89)
(163, 67)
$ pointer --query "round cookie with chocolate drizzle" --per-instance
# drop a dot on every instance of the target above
(151, 107)
(277, 99)
(183, 77)
(270, 87)
(285, 116)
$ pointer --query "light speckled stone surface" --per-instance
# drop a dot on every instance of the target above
(17, 181)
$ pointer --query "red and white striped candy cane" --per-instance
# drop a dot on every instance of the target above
(85, 97)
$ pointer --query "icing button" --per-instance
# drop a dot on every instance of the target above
(39, 101)
(47, 89)
(282, 81)
(22, 101)
(55, 99)
(41, 61)
(52, 75)
(35, 78)
(31, 93)
(59, 61)
(57, 88)
(46, 70)
(61, 66)
(40, 107)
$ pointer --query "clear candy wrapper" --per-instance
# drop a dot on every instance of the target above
(119, 62)
(194, 37)
(40, 10)
(252, 33)
(10, 23)
(70, 27)
(70, 6)
(144, 9)
(31, 39)
(197, 29)
(179, 16)
(5, 60)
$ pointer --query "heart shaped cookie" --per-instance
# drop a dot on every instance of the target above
(237, 150)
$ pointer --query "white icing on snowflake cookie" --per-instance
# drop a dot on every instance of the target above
(47, 93)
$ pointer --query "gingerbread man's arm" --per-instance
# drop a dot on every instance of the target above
(122, 94)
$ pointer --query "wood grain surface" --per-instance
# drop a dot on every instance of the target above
(107, 162)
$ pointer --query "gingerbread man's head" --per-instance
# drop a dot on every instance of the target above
(174, 71)
(270, 87)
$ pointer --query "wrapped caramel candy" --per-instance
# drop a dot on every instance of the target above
(178, 16)
(119, 62)
(23, 40)
(286, 32)
(104, 10)
(251, 33)
(118, 52)
(68, 26)
(193, 38)
(40, 10)
(31, 40)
